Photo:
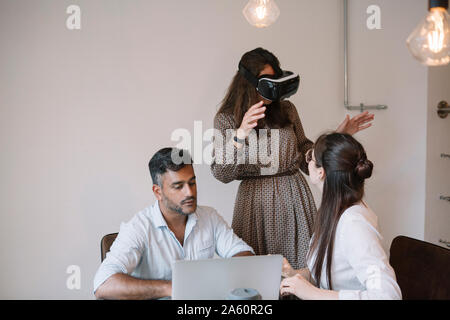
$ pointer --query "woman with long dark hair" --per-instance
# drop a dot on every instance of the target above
(345, 259)
(274, 209)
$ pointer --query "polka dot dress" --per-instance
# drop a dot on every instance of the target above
(272, 213)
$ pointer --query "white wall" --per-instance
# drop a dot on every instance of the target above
(437, 217)
(82, 112)
(383, 71)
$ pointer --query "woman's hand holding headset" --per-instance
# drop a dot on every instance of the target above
(249, 122)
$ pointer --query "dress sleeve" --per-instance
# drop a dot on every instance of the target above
(230, 163)
(304, 144)
(367, 258)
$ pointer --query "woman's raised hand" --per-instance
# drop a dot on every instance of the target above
(357, 123)
(250, 120)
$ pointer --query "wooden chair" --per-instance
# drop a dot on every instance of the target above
(422, 269)
(106, 243)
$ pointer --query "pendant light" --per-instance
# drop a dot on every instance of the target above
(261, 13)
(430, 41)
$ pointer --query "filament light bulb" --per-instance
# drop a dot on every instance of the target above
(261, 13)
(430, 41)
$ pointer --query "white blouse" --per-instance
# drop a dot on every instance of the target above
(360, 268)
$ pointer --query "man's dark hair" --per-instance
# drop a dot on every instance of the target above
(172, 159)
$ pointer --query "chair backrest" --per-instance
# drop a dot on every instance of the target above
(421, 268)
(106, 243)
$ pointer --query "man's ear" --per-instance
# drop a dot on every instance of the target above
(157, 192)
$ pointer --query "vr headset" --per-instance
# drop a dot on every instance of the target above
(273, 88)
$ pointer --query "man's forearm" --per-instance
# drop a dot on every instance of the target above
(122, 287)
(244, 253)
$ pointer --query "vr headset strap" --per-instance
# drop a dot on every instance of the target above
(248, 75)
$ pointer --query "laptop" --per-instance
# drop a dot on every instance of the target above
(214, 279)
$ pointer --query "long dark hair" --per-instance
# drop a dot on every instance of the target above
(241, 95)
(346, 167)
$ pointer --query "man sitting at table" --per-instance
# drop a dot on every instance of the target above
(138, 266)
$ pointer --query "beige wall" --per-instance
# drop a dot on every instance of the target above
(81, 113)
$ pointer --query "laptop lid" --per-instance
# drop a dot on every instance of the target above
(214, 279)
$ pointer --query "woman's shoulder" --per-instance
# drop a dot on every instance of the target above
(358, 235)
(224, 119)
(288, 105)
(357, 215)
(290, 108)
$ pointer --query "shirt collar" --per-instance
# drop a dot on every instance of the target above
(158, 218)
(159, 221)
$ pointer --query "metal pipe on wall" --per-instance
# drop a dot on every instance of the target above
(362, 107)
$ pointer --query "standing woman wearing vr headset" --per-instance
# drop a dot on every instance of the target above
(274, 214)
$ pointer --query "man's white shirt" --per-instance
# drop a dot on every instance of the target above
(145, 247)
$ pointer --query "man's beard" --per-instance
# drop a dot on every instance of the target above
(177, 208)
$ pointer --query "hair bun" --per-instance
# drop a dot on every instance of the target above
(364, 168)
